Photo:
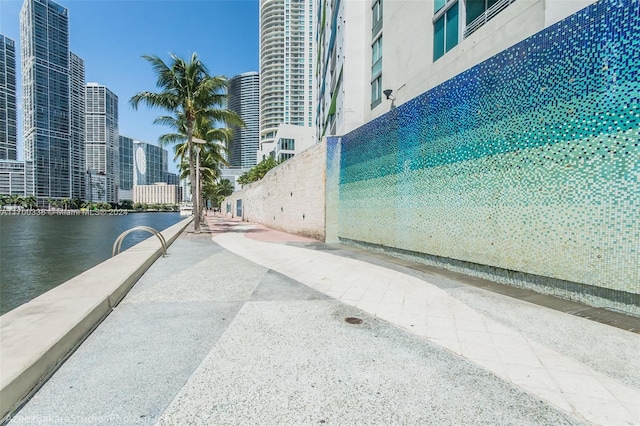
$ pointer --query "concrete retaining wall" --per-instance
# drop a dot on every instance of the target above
(290, 197)
(39, 335)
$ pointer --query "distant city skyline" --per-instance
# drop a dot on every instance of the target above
(113, 58)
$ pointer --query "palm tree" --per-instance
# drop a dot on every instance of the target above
(210, 160)
(223, 189)
(192, 96)
(217, 191)
(211, 152)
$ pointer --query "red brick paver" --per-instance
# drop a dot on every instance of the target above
(219, 224)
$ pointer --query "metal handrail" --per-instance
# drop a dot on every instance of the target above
(118, 243)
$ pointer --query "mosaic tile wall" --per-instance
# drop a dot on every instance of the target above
(528, 163)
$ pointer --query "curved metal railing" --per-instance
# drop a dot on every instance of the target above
(117, 245)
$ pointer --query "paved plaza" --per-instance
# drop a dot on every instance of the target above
(244, 325)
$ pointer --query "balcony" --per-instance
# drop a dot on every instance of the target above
(486, 16)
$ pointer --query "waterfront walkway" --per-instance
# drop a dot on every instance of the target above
(245, 325)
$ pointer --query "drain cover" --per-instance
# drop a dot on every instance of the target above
(353, 320)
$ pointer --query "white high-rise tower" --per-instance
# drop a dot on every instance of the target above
(287, 91)
(102, 142)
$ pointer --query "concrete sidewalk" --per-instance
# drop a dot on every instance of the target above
(262, 327)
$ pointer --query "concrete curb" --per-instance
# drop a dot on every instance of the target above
(37, 337)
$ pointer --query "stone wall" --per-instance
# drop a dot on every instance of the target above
(291, 197)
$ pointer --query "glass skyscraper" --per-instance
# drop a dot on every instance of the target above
(49, 75)
(77, 97)
(150, 163)
(8, 117)
(142, 163)
(125, 160)
(102, 139)
(244, 100)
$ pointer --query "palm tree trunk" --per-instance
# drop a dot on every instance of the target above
(192, 176)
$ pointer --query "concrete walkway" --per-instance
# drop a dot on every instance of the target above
(262, 327)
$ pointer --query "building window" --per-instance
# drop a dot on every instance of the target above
(287, 144)
(376, 72)
(478, 12)
(376, 91)
(439, 4)
(475, 8)
(285, 156)
(445, 29)
(376, 57)
(376, 13)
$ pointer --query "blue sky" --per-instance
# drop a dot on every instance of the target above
(111, 36)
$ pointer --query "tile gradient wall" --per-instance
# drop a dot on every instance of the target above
(524, 168)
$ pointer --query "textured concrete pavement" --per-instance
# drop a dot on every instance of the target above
(247, 326)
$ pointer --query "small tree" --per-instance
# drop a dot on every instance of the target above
(30, 202)
(257, 172)
(218, 191)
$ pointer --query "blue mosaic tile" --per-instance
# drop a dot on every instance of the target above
(529, 161)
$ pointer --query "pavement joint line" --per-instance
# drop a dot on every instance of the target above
(385, 284)
(262, 252)
(602, 315)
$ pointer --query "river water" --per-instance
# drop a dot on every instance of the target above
(38, 253)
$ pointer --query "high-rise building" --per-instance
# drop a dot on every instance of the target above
(142, 164)
(172, 178)
(158, 193)
(125, 160)
(77, 107)
(16, 178)
(287, 92)
(244, 100)
(150, 163)
(47, 82)
(101, 140)
(356, 83)
(341, 83)
(185, 186)
(8, 120)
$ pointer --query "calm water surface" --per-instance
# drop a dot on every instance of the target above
(38, 253)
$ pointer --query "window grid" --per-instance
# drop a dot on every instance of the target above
(376, 53)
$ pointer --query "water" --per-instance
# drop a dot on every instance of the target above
(37, 253)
